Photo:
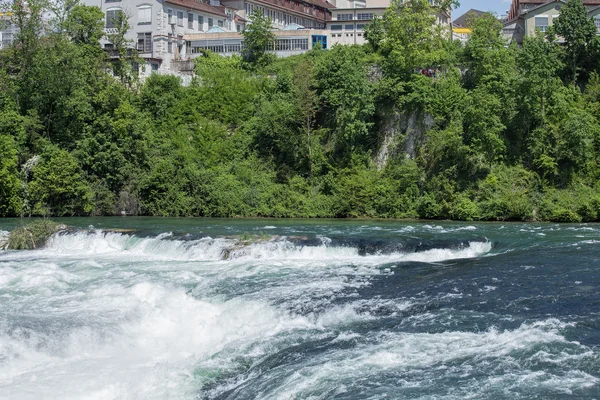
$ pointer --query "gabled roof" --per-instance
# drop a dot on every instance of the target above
(463, 20)
(198, 6)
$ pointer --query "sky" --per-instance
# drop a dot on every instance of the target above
(498, 6)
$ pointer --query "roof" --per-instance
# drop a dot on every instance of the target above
(515, 7)
(199, 6)
(293, 27)
(463, 20)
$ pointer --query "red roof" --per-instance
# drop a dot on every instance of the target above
(198, 6)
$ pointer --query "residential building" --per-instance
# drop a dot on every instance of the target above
(461, 27)
(289, 41)
(168, 32)
(350, 17)
(306, 13)
(8, 30)
(528, 16)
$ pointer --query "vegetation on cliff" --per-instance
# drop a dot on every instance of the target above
(515, 132)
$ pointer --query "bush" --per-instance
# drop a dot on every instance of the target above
(34, 235)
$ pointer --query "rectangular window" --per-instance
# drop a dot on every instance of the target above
(220, 23)
(112, 18)
(170, 17)
(364, 16)
(336, 27)
(190, 21)
(360, 27)
(179, 18)
(154, 66)
(597, 22)
(200, 23)
(349, 27)
(210, 23)
(170, 44)
(144, 15)
(144, 42)
(344, 17)
(541, 23)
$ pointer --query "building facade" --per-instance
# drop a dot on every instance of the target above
(349, 19)
(8, 30)
(166, 32)
(528, 16)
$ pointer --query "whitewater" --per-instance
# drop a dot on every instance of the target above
(142, 308)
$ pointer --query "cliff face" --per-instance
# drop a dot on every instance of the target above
(401, 133)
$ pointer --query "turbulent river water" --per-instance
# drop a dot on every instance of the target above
(180, 309)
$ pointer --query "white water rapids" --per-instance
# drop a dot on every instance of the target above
(104, 315)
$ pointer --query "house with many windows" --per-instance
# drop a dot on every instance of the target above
(528, 16)
(350, 17)
(8, 30)
(166, 33)
(157, 28)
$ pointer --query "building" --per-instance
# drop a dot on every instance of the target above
(167, 33)
(8, 30)
(350, 17)
(289, 41)
(461, 27)
(528, 16)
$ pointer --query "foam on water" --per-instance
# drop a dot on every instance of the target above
(107, 315)
(101, 243)
(438, 356)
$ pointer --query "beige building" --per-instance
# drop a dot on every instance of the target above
(528, 16)
(350, 17)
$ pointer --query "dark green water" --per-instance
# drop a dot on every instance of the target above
(178, 309)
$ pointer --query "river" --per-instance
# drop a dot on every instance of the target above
(303, 309)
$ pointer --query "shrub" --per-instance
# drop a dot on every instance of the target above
(34, 235)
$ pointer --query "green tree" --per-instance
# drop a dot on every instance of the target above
(412, 40)
(259, 40)
(579, 32)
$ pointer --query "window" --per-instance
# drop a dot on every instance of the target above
(144, 15)
(344, 17)
(112, 18)
(154, 66)
(210, 23)
(170, 17)
(200, 23)
(597, 22)
(170, 44)
(112, 1)
(5, 39)
(364, 16)
(349, 27)
(220, 23)
(360, 27)
(190, 21)
(179, 18)
(336, 27)
(238, 28)
(144, 42)
(541, 23)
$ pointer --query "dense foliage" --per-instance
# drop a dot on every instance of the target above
(495, 133)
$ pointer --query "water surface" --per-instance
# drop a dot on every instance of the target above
(316, 309)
